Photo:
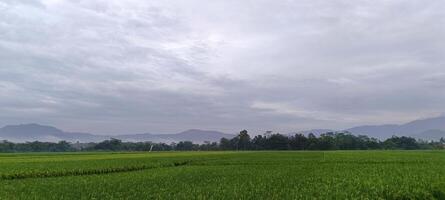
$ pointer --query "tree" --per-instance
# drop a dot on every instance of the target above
(277, 142)
(298, 142)
(326, 142)
(184, 146)
(312, 142)
(243, 140)
(225, 144)
(111, 145)
(259, 142)
(6, 146)
(403, 142)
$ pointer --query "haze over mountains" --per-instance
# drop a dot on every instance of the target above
(36, 132)
(426, 129)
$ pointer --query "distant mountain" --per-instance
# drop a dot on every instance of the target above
(430, 135)
(417, 126)
(316, 132)
(194, 135)
(427, 129)
(36, 132)
(30, 132)
(200, 136)
(422, 129)
(141, 137)
(381, 132)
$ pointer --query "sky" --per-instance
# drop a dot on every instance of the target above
(118, 67)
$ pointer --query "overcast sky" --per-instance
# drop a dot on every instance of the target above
(114, 66)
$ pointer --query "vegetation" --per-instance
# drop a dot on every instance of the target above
(224, 175)
(36, 146)
(243, 141)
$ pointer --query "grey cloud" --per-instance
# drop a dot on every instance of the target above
(114, 66)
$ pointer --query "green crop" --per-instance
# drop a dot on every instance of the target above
(225, 175)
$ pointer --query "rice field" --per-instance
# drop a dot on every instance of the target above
(224, 175)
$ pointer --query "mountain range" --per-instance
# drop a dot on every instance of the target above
(426, 129)
(36, 132)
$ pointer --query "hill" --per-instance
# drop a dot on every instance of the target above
(421, 129)
(36, 132)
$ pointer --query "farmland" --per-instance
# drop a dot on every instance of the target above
(224, 175)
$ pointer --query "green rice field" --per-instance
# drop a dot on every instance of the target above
(224, 175)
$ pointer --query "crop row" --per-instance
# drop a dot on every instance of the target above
(228, 175)
(83, 172)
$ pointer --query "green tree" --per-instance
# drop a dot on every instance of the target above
(225, 144)
(298, 142)
(184, 146)
(277, 142)
(243, 140)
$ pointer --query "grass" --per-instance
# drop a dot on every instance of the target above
(225, 175)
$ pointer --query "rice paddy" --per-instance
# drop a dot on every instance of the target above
(225, 175)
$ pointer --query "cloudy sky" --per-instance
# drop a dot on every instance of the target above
(113, 66)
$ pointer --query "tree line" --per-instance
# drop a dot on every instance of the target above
(241, 142)
(327, 141)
